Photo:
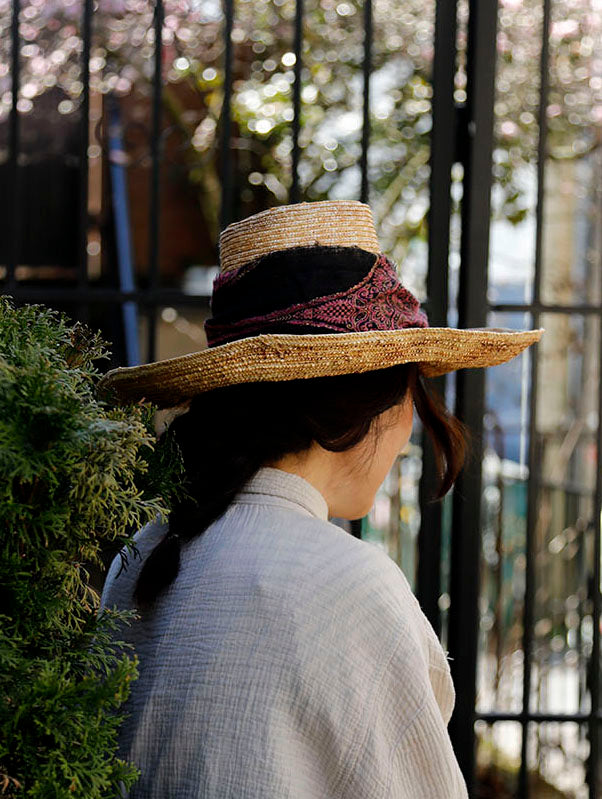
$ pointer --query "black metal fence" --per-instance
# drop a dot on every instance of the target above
(462, 133)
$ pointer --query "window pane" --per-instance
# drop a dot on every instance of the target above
(497, 758)
(557, 759)
(567, 458)
(504, 520)
(178, 330)
(570, 259)
(514, 169)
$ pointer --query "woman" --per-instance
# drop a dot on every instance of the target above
(280, 656)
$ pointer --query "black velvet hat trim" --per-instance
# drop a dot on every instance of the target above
(287, 277)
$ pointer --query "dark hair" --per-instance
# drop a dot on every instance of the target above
(229, 433)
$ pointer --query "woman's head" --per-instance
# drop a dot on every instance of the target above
(229, 433)
(261, 423)
(341, 434)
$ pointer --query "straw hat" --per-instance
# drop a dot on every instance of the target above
(304, 291)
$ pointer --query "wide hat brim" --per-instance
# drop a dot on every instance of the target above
(277, 357)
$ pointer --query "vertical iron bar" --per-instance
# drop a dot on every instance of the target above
(83, 146)
(583, 576)
(156, 148)
(83, 310)
(428, 578)
(226, 120)
(13, 156)
(535, 454)
(470, 383)
(594, 728)
(295, 193)
(367, 70)
(443, 147)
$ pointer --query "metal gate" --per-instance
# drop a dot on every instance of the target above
(508, 568)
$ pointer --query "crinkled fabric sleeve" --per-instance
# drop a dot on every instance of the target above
(423, 763)
(414, 703)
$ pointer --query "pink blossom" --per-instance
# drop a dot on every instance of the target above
(509, 128)
(554, 110)
(564, 29)
(111, 6)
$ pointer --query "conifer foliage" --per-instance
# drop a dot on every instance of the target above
(75, 474)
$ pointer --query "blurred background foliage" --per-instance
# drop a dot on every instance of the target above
(333, 52)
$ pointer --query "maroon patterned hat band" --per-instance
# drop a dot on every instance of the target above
(311, 290)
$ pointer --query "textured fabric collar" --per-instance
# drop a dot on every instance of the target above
(270, 482)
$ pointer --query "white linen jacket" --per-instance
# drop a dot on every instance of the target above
(288, 660)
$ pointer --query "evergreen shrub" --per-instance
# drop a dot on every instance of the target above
(75, 474)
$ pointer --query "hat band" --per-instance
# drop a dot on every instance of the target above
(287, 277)
(377, 302)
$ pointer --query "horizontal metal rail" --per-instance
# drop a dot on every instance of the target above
(146, 297)
(538, 718)
(541, 308)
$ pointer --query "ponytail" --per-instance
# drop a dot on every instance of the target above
(188, 520)
(160, 568)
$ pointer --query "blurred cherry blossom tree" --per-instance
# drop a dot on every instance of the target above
(192, 53)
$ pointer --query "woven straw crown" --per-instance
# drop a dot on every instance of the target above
(296, 341)
(326, 224)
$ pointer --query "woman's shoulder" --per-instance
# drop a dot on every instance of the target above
(363, 564)
(318, 549)
(307, 553)
(355, 582)
(362, 583)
